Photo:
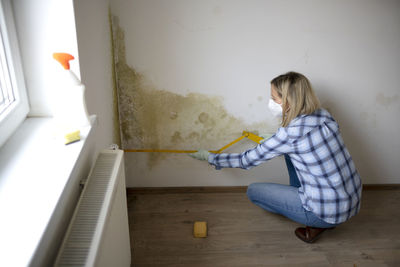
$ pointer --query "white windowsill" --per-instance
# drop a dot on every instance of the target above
(34, 169)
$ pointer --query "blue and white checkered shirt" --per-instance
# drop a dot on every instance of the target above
(330, 184)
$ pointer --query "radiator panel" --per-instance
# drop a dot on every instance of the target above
(98, 217)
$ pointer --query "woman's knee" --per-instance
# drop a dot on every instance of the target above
(256, 193)
(250, 191)
(261, 192)
(254, 190)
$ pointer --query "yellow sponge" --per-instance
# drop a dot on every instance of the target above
(72, 137)
(200, 229)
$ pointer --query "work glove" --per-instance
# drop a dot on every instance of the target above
(201, 154)
(265, 137)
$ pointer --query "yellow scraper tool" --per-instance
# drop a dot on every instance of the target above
(245, 134)
(253, 137)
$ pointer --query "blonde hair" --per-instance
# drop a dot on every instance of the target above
(297, 95)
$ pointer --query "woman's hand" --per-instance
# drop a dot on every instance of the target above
(201, 154)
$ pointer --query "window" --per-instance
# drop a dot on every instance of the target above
(13, 99)
(7, 96)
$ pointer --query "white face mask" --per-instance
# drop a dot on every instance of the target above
(275, 108)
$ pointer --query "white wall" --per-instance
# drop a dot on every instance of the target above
(44, 27)
(94, 44)
(348, 49)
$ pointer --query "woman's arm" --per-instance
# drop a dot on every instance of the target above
(277, 145)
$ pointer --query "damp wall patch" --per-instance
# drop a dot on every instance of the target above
(153, 118)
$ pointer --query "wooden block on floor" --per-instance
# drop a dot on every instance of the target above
(200, 229)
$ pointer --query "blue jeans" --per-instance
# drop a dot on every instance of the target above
(284, 199)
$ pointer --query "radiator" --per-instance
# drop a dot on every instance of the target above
(98, 234)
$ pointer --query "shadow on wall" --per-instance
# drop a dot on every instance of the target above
(151, 118)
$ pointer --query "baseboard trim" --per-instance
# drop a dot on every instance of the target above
(228, 189)
(187, 189)
(381, 187)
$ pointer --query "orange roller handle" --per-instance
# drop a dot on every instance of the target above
(64, 59)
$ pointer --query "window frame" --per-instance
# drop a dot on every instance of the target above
(16, 112)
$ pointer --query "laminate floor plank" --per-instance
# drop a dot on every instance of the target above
(242, 234)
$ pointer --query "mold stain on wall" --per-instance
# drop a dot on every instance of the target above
(386, 101)
(152, 118)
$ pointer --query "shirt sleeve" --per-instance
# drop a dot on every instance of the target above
(277, 145)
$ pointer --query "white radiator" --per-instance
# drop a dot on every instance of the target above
(98, 234)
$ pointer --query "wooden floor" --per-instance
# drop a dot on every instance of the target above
(242, 234)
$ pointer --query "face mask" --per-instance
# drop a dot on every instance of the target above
(275, 108)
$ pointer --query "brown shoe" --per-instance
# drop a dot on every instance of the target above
(309, 234)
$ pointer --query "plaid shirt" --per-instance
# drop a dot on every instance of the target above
(330, 184)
